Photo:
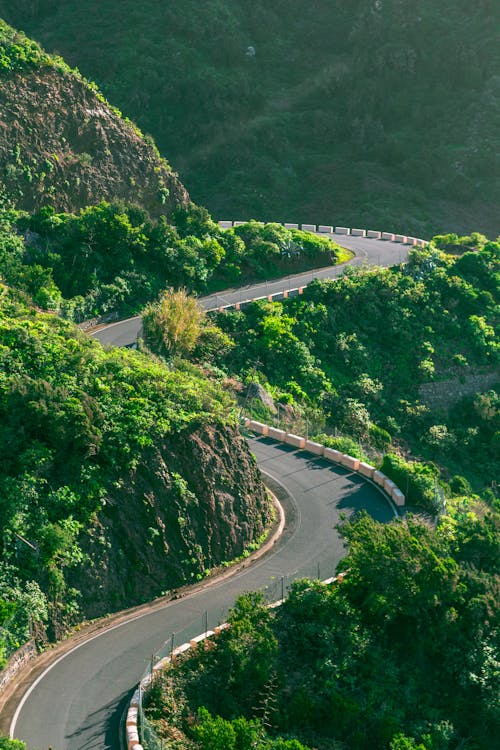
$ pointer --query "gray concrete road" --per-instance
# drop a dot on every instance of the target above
(78, 703)
(368, 252)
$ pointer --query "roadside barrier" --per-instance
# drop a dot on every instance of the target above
(138, 730)
(372, 234)
(217, 302)
(15, 663)
(394, 495)
(135, 720)
(383, 483)
(140, 734)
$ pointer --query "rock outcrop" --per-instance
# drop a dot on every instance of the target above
(192, 503)
(62, 144)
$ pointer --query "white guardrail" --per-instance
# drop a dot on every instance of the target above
(384, 484)
(401, 239)
(330, 454)
(371, 234)
(135, 707)
(370, 473)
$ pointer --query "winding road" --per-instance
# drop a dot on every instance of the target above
(77, 703)
(367, 252)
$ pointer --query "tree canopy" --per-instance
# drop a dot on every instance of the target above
(400, 653)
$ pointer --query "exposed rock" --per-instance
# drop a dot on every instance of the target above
(257, 392)
(61, 145)
(192, 503)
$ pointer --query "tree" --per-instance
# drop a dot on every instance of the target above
(173, 325)
(7, 744)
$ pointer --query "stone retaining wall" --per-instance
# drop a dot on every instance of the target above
(16, 662)
(446, 393)
(93, 322)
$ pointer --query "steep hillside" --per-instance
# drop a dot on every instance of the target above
(377, 112)
(62, 144)
(397, 655)
(119, 477)
(363, 355)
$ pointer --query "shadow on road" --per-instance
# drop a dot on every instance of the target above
(106, 722)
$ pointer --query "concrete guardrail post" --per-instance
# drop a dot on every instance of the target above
(315, 448)
(276, 434)
(349, 462)
(332, 455)
(261, 429)
(366, 470)
(295, 440)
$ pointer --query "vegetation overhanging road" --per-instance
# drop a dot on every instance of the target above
(79, 701)
(367, 251)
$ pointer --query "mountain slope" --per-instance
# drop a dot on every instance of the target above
(368, 112)
(120, 477)
(62, 144)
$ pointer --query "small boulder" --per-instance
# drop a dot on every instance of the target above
(257, 392)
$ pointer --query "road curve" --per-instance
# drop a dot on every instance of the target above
(78, 703)
(367, 252)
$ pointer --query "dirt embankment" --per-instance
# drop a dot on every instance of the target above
(61, 145)
(192, 502)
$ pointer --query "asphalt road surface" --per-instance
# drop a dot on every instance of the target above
(77, 705)
(368, 252)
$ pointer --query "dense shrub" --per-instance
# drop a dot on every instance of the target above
(359, 348)
(418, 481)
(403, 644)
(114, 258)
(75, 421)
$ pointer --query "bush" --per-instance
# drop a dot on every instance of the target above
(379, 437)
(7, 744)
(418, 481)
(460, 486)
(343, 444)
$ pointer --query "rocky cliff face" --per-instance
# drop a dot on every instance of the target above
(193, 502)
(62, 144)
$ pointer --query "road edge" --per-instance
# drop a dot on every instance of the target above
(26, 680)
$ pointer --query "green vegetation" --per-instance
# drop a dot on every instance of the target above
(353, 354)
(402, 654)
(7, 744)
(177, 326)
(399, 654)
(114, 258)
(362, 112)
(174, 325)
(76, 424)
(18, 53)
(77, 420)
(216, 733)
